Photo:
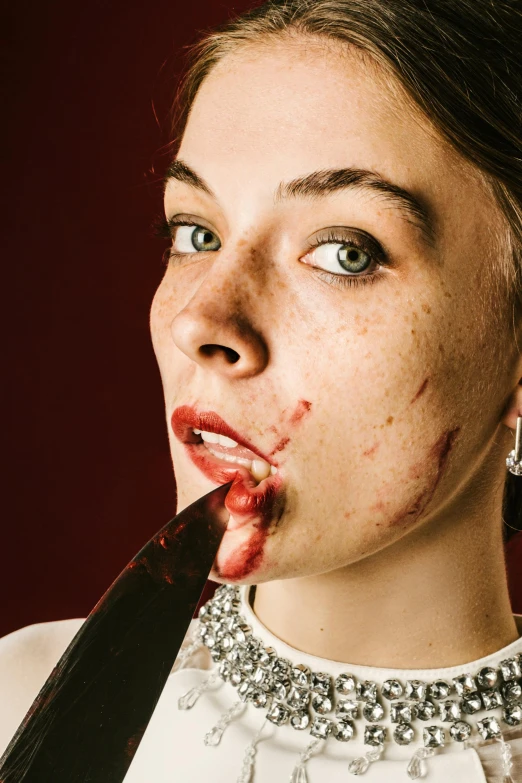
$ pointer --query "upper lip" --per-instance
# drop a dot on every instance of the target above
(186, 418)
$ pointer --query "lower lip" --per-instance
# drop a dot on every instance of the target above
(246, 500)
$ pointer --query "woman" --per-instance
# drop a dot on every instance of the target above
(337, 331)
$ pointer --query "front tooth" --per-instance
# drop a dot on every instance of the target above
(260, 469)
(273, 470)
(227, 442)
(210, 437)
(196, 432)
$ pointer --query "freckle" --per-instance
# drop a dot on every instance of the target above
(447, 294)
(413, 331)
(426, 308)
(363, 332)
(321, 629)
(347, 514)
(441, 348)
(389, 420)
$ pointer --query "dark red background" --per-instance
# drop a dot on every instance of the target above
(87, 476)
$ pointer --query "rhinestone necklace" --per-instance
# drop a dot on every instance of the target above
(343, 707)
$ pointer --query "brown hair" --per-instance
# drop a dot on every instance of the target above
(459, 60)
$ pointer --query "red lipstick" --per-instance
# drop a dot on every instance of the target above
(246, 500)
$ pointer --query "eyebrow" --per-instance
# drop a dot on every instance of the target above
(321, 183)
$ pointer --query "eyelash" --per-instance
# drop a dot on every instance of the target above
(162, 229)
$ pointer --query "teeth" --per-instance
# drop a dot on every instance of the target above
(213, 437)
(210, 437)
(227, 442)
(273, 470)
(260, 469)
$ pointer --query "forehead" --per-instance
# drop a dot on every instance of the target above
(282, 109)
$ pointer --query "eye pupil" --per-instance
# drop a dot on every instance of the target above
(353, 255)
(204, 239)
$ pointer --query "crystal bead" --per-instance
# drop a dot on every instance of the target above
(512, 715)
(392, 689)
(347, 708)
(402, 712)
(513, 464)
(298, 698)
(439, 690)
(301, 675)
(343, 730)
(491, 699)
(259, 698)
(236, 677)
(374, 734)
(414, 768)
(215, 609)
(280, 689)
(187, 701)
(209, 640)
(231, 606)
(464, 684)
(367, 690)
(510, 669)
(425, 710)
(266, 656)
(227, 642)
(216, 653)
(225, 669)
(471, 703)
(246, 666)
(433, 737)
(511, 691)
(321, 683)
(242, 632)
(488, 728)
(278, 713)
(321, 704)
(244, 690)
(415, 689)
(234, 656)
(449, 711)
(373, 711)
(359, 766)
(345, 684)
(204, 614)
(403, 734)
(460, 731)
(321, 728)
(487, 677)
(300, 720)
(299, 775)
(259, 675)
(281, 668)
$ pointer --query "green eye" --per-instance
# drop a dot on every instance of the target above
(353, 259)
(203, 239)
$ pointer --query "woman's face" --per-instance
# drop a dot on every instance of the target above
(330, 305)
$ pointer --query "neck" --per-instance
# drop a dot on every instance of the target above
(434, 599)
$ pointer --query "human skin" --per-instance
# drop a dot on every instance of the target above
(386, 406)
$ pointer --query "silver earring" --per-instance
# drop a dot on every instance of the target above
(514, 460)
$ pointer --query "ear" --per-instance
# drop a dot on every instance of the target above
(513, 408)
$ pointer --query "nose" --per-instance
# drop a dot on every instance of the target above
(216, 329)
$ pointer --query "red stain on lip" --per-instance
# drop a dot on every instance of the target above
(303, 407)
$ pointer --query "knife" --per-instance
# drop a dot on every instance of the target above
(86, 723)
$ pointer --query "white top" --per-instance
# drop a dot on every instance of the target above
(173, 749)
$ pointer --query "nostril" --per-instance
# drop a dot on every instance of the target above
(211, 350)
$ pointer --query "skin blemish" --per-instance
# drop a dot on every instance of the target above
(371, 451)
(426, 308)
(421, 390)
(302, 408)
(389, 420)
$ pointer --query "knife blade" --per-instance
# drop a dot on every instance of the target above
(86, 723)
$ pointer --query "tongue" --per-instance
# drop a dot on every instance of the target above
(237, 451)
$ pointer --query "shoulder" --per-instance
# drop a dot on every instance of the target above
(27, 657)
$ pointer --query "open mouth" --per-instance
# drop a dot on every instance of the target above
(222, 455)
